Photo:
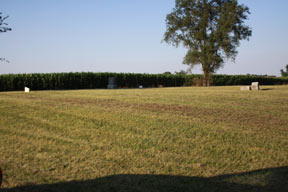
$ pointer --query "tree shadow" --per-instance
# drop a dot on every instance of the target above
(272, 179)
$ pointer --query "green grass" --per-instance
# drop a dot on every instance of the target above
(167, 139)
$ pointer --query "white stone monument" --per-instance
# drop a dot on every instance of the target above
(26, 90)
(246, 88)
(255, 86)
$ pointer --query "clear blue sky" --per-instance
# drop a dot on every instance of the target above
(125, 36)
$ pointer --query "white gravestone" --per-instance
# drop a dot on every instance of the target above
(246, 88)
(26, 90)
(255, 86)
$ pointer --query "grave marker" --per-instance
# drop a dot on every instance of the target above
(112, 83)
(26, 90)
(246, 88)
(255, 86)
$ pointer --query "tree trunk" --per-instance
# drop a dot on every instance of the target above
(206, 78)
(204, 49)
(206, 75)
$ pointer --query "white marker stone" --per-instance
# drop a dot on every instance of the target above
(255, 86)
(26, 90)
(246, 88)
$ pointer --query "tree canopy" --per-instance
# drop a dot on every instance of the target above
(211, 30)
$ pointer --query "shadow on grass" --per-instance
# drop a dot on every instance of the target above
(266, 89)
(273, 179)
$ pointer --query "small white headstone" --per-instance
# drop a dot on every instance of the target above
(26, 90)
(255, 86)
(246, 88)
(140, 87)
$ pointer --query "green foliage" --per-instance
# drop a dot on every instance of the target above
(89, 80)
(55, 81)
(283, 73)
(219, 80)
(210, 30)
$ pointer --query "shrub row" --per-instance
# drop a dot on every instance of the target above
(219, 80)
(89, 80)
(86, 80)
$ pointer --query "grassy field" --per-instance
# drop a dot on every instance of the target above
(167, 139)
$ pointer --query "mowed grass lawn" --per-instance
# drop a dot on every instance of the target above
(166, 139)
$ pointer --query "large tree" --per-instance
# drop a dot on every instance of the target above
(211, 30)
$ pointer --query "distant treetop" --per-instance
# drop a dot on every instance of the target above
(284, 73)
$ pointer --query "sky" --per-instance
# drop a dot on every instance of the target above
(126, 36)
